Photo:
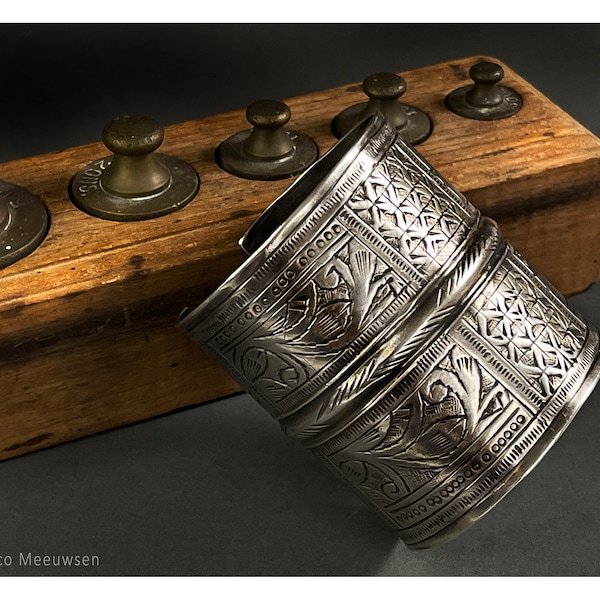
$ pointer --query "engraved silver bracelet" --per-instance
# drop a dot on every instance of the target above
(391, 329)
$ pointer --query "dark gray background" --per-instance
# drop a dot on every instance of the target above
(218, 489)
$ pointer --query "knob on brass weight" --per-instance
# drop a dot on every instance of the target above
(485, 99)
(23, 223)
(384, 91)
(136, 182)
(268, 151)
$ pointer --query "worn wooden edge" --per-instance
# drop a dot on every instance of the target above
(78, 389)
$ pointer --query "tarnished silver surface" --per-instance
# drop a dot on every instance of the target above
(390, 328)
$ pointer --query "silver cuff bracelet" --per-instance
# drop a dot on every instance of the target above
(390, 328)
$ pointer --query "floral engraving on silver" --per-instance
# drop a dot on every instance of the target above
(390, 328)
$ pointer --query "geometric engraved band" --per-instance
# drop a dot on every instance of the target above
(390, 328)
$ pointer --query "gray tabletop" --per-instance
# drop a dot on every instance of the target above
(218, 489)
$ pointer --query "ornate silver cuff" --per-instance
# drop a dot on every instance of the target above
(390, 328)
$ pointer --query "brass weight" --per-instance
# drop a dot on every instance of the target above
(136, 182)
(384, 91)
(24, 223)
(269, 150)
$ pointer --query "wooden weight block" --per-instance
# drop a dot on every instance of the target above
(87, 322)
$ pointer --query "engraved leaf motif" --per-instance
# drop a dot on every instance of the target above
(440, 417)
(273, 373)
(376, 484)
(331, 321)
(293, 319)
(373, 437)
(328, 316)
(274, 389)
(254, 363)
(359, 269)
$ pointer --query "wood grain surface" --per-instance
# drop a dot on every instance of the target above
(87, 322)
